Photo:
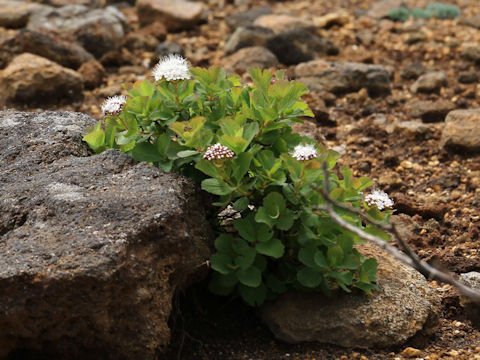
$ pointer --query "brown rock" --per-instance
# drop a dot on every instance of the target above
(390, 178)
(140, 41)
(33, 80)
(412, 352)
(248, 58)
(175, 15)
(430, 111)
(93, 74)
(158, 30)
(404, 305)
(462, 130)
(46, 44)
(340, 17)
(410, 206)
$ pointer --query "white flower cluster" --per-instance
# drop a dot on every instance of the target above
(218, 151)
(304, 152)
(113, 105)
(171, 67)
(379, 198)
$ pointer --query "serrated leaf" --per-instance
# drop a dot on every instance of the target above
(273, 248)
(216, 186)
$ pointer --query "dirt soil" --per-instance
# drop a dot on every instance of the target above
(439, 189)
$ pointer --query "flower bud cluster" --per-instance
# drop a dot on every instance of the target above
(304, 152)
(379, 198)
(113, 105)
(218, 151)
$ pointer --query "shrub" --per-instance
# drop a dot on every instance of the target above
(236, 141)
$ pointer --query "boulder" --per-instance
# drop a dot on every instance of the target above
(462, 131)
(175, 15)
(300, 45)
(92, 248)
(34, 80)
(46, 44)
(98, 31)
(250, 57)
(430, 82)
(404, 305)
(344, 77)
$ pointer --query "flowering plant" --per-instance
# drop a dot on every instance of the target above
(236, 141)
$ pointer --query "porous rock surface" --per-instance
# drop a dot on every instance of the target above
(404, 305)
(462, 131)
(92, 248)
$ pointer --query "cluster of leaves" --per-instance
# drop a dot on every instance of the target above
(280, 241)
(433, 10)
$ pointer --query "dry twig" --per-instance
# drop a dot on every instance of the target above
(408, 256)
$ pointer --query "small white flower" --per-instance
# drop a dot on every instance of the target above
(304, 152)
(114, 105)
(171, 67)
(218, 151)
(379, 198)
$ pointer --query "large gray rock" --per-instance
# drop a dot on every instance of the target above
(462, 131)
(45, 44)
(98, 31)
(404, 305)
(344, 77)
(92, 249)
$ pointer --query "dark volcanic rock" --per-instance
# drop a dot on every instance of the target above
(299, 45)
(92, 248)
(45, 44)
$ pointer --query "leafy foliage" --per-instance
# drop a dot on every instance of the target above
(280, 241)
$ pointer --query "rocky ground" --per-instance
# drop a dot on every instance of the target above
(386, 114)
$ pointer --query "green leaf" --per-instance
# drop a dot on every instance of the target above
(320, 259)
(309, 277)
(223, 243)
(241, 165)
(146, 152)
(335, 255)
(306, 256)
(235, 143)
(221, 263)
(246, 228)
(247, 257)
(368, 270)
(208, 168)
(285, 220)
(275, 284)
(273, 248)
(95, 139)
(250, 130)
(230, 127)
(262, 217)
(289, 193)
(187, 153)
(217, 187)
(250, 277)
(253, 296)
(241, 204)
(264, 233)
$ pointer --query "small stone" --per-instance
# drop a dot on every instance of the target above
(33, 80)
(283, 23)
(390, 178)
(300, 45)
(413, 71)
(139, 41)
(250, 57)
(430, 82)
(430, 111)
(462, 130)
(93, 74)
(175, 15)
(412, 352)
(340, 17)
(471, 53)
(468, 77)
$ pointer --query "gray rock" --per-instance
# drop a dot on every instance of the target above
(472, 308)
(246, 18)
(250, 57)
(430, 111)
(462, 131)
(32, 80)
(344, 77)
(413, 71)
(300, 45)
(91, 248)
(98, 31)
(471, 53)
(404, 305)
(246, 37)
(430, 82)
(46, 44)
(15, 14)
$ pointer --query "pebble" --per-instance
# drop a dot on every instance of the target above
(411, 352)
(430, 82)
